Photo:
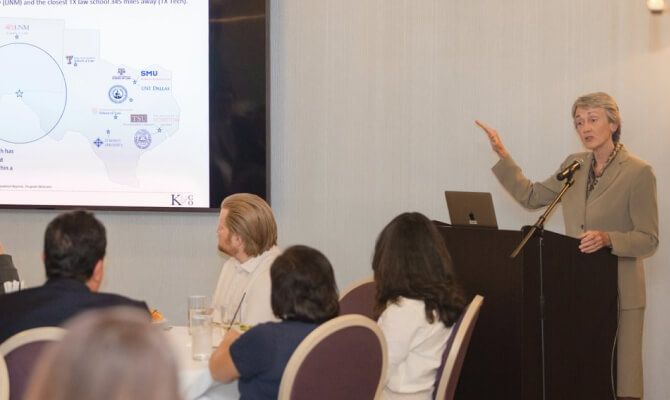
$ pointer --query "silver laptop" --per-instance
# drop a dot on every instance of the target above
(471, 209)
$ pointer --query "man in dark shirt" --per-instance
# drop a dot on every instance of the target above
(74, 251)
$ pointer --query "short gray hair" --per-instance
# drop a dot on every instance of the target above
(604, 101)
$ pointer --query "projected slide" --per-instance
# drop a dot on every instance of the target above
(104, 103)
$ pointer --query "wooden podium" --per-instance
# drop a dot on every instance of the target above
(505, 359)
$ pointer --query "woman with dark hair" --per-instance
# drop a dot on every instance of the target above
(304, 295)
(418, 301)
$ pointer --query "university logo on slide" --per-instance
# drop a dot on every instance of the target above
(142, 139)
(138, 118)
(118, 94)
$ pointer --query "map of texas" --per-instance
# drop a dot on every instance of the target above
(54, 83)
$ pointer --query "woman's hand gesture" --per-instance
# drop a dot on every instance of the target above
(494, 138)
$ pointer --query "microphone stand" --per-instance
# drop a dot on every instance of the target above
(539, 227)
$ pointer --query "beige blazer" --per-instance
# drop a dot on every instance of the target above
(623, 204)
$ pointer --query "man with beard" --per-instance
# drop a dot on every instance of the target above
(248, 234)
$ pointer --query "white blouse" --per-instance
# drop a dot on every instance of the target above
(415, 349)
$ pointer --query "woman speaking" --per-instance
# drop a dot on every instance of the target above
(612, 204)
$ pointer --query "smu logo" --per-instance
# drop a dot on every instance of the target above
(149, 73)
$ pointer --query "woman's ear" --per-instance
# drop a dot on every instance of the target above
(613, 127)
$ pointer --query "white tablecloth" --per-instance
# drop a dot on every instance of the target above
(194, 378)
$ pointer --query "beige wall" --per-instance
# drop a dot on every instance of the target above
(372, 110)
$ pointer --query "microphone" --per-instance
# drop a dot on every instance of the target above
(569, 170)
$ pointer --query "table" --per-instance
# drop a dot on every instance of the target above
(195, 382)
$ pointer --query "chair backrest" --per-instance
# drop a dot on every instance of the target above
(454, 353)
(359, 298)
(4, 379)
(21, 353)
(344, 358)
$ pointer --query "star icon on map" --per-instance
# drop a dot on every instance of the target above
(159, 130)
(19, 93)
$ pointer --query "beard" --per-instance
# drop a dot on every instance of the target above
(226, 246)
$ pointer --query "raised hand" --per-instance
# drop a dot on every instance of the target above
(494, 138)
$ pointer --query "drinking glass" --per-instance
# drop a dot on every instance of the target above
(197, 304)
(201, 334)
(227, 315)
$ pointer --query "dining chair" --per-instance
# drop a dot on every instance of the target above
(454, 354)
(4, 379)
(21, 352)
(359, 298)
(344, 358)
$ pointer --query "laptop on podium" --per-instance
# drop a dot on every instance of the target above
(471, 209)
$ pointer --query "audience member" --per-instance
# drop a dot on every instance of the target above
(304, 295)
(248, 234)
(74, 251)
(7, 270)
(111, 354)
(418, 301)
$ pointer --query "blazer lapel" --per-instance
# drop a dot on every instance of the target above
(610, 174)
(577, 209)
